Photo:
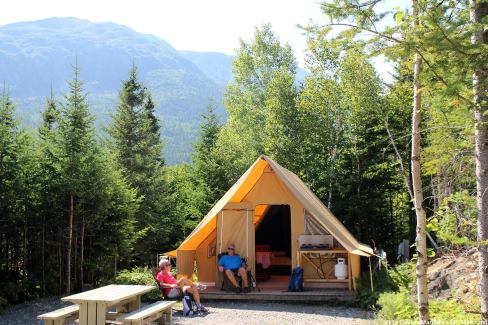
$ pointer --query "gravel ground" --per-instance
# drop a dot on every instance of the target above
(221, 313)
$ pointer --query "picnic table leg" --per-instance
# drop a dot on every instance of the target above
(134, 304)
(166, 317)
(101, 313)
(169, 318)
(93, 313)
(83, 314)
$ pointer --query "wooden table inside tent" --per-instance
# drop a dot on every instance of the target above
(325, 277)
(95, 304)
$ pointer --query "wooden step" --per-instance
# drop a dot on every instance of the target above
(276, 295)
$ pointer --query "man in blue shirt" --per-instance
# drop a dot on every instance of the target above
(231, 264)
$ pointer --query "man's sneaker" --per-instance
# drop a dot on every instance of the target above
(245, 290)
(201, 287)
(202, 309)
(238, 290)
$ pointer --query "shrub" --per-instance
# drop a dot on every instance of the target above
(392, 279)
(3, 303)
(139, 275)
(450, 310)
(396, 306)
(12, 292)
(401, 306)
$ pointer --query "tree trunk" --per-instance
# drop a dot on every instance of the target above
(70, 243)
(59, 259)
(82, 249)
(479, 10)
(333, 157)
(43, 255)
(420, 239)
(24, 256)
(116, 255)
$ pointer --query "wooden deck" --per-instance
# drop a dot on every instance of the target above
(275, 290)
(268, 295)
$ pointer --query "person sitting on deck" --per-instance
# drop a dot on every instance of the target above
(172, 286)
(232, 265)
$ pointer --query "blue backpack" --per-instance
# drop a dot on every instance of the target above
(296, 280)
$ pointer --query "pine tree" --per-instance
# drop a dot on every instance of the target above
(15, 197)
(77, 142)
(207, 165)
(136, 143)
(49, 183)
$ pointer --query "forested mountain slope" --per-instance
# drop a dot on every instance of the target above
(37, 56)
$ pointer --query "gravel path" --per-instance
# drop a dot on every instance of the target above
(268, 313)
(221, 313)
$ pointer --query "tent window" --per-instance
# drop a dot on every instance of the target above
(312, 226)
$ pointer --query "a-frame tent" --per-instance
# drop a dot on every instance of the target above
(234, 216)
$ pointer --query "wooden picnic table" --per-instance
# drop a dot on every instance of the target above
(95, 304)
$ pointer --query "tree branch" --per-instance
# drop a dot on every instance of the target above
(391, 38)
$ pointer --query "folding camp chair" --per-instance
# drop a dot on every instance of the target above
(227, 286)
(162, 291)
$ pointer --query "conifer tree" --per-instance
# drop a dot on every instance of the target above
(77, 142)
(137, 145)
(15, 197)
(207, 165)
(49, 207)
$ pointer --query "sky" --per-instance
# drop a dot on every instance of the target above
(211, 25)
(197, 25)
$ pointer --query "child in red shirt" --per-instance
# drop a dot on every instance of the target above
(172, 286)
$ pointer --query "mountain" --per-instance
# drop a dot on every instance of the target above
(38, 56)
(216, 66)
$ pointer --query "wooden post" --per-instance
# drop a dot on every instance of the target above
(349, 271)
(370, 273)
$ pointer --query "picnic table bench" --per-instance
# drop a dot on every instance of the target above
(161, 311)
(60, 316)
(94, 305)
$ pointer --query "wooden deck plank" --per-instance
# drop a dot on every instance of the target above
(304, 296)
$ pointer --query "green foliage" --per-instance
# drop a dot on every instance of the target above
(391, 280)
(209, 181)
(184, 198)
(264, 70)
(139, 276)
(396, 306)
(135, 142)
(455, 220)
(3, 303)
(400, 306)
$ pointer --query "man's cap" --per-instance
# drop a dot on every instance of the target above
(231, 246)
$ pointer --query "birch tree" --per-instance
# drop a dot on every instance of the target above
(479, 13)
(420, 240)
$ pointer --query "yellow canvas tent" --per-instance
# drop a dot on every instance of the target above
(235, 216)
